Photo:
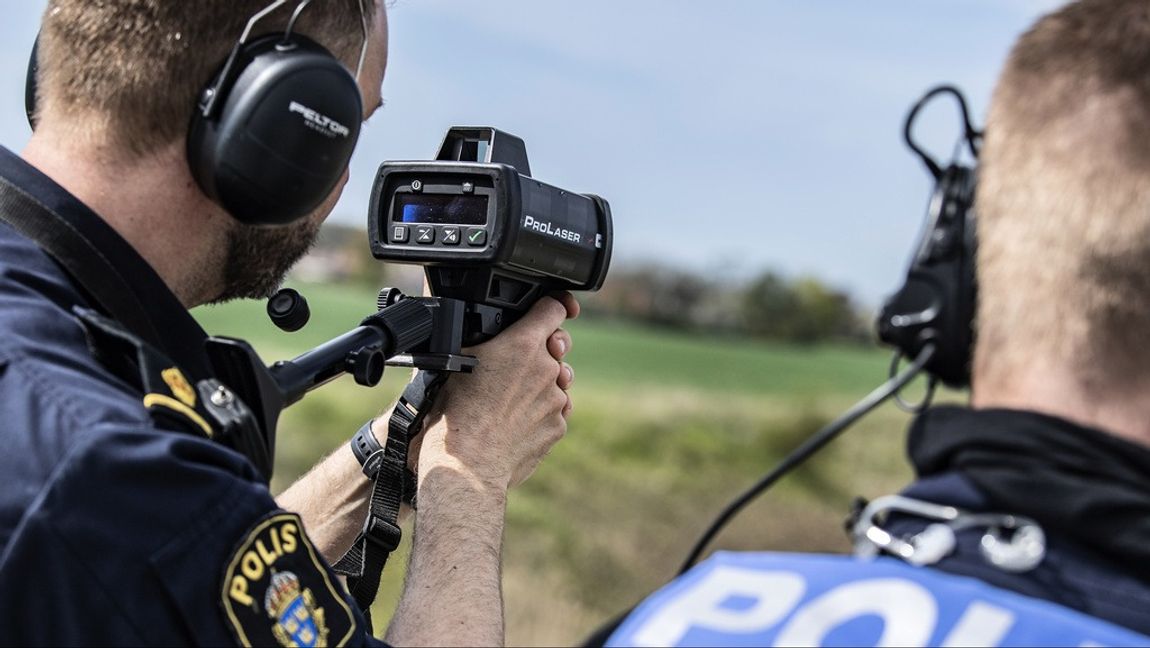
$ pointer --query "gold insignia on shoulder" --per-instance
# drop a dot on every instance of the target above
(179, 386)
(298, 620)
(152, 401)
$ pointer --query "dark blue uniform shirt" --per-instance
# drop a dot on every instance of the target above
(114, 530)
(1070, 574)
(1089, 490)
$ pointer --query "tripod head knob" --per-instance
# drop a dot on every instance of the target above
(366, 366)
(388, 297)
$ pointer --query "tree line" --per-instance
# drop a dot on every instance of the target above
(769, 306)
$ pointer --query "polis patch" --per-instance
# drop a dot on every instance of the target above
(277, 592)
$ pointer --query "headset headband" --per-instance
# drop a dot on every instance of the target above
(210, 101)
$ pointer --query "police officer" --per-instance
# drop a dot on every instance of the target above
(1029, 523)
(125, 516)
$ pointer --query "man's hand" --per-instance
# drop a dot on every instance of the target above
(332, 498)
(498, 423)
(492, 429)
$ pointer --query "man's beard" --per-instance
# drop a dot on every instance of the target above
(258, 258)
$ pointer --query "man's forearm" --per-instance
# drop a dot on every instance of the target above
(453, 594)
(332, 501)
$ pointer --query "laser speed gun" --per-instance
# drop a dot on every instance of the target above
(488, 233)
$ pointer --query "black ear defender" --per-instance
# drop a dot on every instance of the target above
(31, 85)
(274, 131)
(936, 303)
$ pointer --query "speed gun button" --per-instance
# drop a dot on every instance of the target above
(476, 237)
(425, 235)
(399, 234)
(451, 236)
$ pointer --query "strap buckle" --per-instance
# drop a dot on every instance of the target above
(402, 424)
(382, 533)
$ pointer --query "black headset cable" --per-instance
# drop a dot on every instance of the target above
(809, 447)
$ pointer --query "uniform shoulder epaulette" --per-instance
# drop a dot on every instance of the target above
(167, 394)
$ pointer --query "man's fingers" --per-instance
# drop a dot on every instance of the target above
(569, 302)
(566, 376)
(559, 345)
(546, 315)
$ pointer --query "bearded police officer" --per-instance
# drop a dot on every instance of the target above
(127, 516)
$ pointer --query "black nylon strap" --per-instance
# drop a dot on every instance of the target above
(392, 483)
(86, 264)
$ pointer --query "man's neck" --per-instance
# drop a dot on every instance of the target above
(1123, 411)
(152, 202)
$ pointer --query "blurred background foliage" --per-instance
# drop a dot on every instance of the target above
(768, 306)
(688, 390)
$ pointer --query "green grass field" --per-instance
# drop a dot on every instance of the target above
(606, 353)
(666, 429)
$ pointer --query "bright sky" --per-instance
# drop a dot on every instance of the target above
(729, 136)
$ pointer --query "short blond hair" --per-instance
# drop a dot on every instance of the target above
(129, 72)
(1064, 199)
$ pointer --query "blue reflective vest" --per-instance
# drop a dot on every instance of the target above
(769, 599)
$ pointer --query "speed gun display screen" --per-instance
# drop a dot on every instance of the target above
(431, 209)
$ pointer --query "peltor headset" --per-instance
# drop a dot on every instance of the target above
(935, 306)
(274, 130)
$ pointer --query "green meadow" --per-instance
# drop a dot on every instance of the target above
(666, 429)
